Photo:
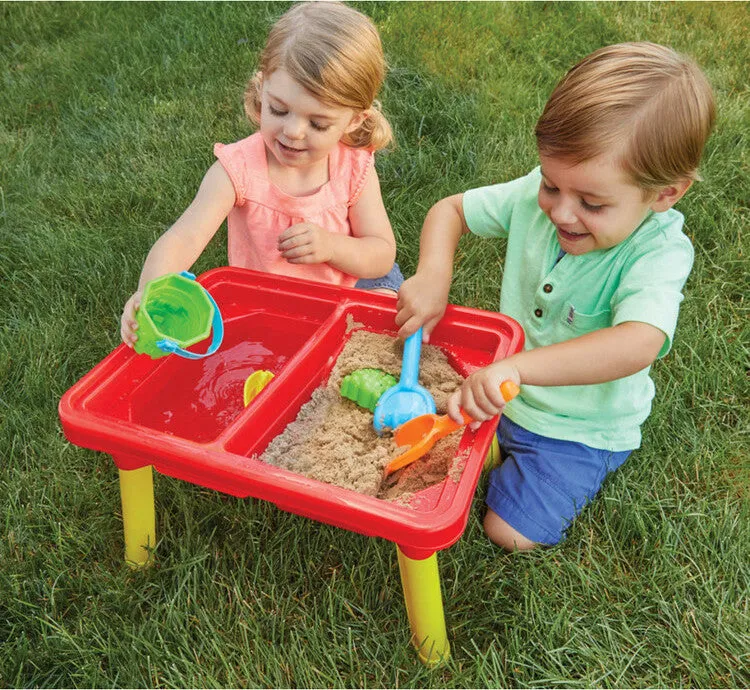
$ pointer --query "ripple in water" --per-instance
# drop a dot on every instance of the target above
(211, 391)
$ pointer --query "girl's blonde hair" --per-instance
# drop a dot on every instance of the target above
(645, 101)
(336, 54)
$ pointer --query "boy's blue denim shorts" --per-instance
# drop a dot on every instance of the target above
(390, 281)
(544, 483)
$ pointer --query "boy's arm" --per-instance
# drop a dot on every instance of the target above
(605, 355)
(368, 253)
(423, 298)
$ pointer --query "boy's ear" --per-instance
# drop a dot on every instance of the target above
(670, 195)
(356, 121)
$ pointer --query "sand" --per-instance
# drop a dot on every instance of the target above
(333, 439)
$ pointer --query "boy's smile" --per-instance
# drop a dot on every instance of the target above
(593, 205)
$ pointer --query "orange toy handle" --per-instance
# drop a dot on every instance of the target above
(509, 390)
(421, 438)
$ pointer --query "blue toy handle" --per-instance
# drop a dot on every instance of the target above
(410, 360)
(217, 326)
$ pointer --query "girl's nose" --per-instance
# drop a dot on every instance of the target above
(294, 128)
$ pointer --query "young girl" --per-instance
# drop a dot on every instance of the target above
(301, 196)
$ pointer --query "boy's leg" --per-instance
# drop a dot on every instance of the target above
(502, 534)
(388, 284)
(541, 486)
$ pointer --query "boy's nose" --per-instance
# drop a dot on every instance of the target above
(562, 213)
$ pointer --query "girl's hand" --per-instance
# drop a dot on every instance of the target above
(480, 394)
(306, 243)
(128, 324)
(422, 300)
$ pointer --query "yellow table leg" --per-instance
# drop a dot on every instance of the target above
(424, 606)
(138, 517)
(492, 459)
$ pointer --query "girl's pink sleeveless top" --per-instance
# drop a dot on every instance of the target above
(262, 211)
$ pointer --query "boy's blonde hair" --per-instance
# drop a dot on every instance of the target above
(335, 53)
(644, 100)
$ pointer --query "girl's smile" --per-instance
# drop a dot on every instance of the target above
(290, 150)
(298, 129)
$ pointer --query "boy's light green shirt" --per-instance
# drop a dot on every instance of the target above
(640, 279)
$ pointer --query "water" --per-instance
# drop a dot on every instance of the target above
(198, 399)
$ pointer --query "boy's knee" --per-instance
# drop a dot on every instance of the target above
(502, 534)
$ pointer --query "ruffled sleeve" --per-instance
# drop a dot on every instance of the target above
(361, 161)
(238, 160)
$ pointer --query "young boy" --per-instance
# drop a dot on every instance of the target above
(595, 264)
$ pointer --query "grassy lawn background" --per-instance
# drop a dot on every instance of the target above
(108, 113)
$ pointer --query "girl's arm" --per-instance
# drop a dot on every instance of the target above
(605, 355)
(180, 246)
(368, 253)
(423, 298)
(371, 250)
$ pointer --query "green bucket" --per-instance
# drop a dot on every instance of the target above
(175, 313)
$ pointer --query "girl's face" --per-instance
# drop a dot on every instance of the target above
(593, 205)
(297, 128)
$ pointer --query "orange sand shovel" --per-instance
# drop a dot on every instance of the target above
(421, 433)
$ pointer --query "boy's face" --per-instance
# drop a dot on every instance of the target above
(593, 205)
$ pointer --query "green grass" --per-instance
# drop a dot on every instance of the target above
(108, 113)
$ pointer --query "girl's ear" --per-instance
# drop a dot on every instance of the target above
(254, 97)
(669, 196)
(356, 121)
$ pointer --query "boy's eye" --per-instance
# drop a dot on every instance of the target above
(276, 111)
(547, 188)
(320, 127)
(594, 208)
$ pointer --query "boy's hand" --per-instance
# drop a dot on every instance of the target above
(128, 324)
(480, 394)
(422, 300)
(306, 243)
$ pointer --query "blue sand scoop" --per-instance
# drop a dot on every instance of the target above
(407, 399)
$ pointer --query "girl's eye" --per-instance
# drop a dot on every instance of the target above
(318, 126)
(548, 189)
(275, 111)
(594, 208)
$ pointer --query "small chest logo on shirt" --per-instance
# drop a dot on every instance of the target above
(571, 315)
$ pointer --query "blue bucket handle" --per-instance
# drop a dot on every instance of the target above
(217, 326)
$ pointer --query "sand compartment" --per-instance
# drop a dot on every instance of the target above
(333, 439)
